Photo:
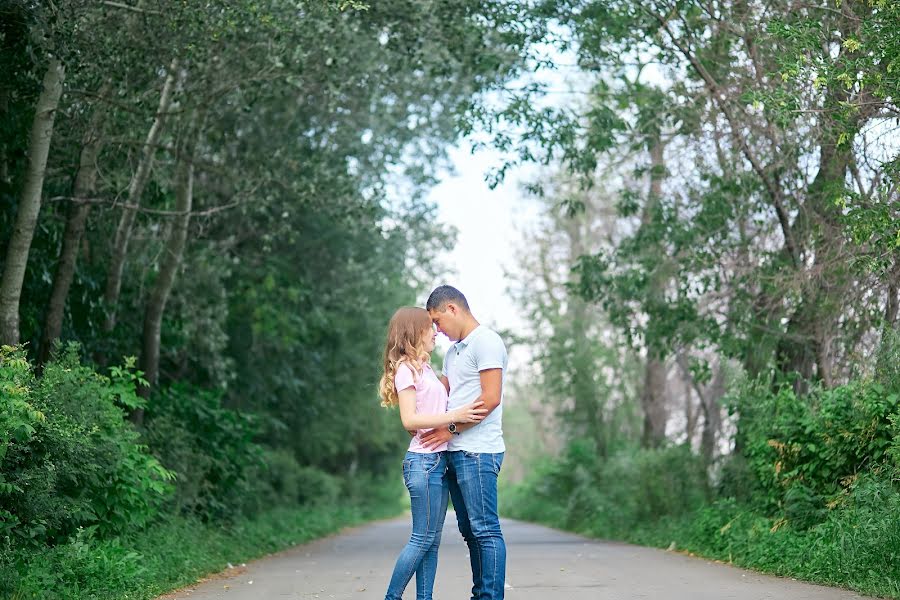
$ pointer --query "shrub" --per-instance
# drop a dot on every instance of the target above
(536, 498)
(282, 481)
(18, 419)
(806, 452)
(210, 447)
(85, 561)
(75, 461)
(735, 479)
(608, 497)
(645, 485)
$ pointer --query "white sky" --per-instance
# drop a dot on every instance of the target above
(489, 226)
(490, 223)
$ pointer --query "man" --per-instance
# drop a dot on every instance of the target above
(473, 370)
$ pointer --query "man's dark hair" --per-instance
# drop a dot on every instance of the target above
(442, 295)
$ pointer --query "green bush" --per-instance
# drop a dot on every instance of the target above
(812, 493)
(18, 419)
(210, 447)
(70, 458)
(855, 544)
(648, 484)
(282, 481)
(608, 497)
(84, 562)
(735, 479)
(536, 499)
(806, 452)
(175, 552)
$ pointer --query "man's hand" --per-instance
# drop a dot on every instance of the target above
(433, 439)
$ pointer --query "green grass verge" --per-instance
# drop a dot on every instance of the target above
(174, 553)
(856, 547)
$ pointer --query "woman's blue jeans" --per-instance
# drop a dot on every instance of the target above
(424, 475)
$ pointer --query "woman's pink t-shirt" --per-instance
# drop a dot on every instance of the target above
(431, 398)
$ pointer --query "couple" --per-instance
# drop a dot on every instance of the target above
(457, 446)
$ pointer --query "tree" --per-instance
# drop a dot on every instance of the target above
(241, 264)
(30, 204)
(582, 364)
(754, 123)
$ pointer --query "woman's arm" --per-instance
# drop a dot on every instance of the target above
(470, 413)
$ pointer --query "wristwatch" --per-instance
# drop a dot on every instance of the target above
(452, 428)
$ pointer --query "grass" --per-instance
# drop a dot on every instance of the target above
(856, 547)
(174, 553)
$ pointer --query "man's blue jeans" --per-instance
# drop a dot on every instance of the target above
(473, 487)
(425, 478)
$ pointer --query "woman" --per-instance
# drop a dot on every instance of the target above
(409, 382)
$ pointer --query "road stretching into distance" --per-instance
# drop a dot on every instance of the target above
(542, 564)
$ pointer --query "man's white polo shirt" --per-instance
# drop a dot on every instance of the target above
(482, 349)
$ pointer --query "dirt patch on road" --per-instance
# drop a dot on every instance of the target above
(186, 590)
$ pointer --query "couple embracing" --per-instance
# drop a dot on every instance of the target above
(457, 446)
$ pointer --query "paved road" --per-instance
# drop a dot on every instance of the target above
(542, 564)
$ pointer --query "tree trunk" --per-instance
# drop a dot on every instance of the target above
(4, 158)
(653, 402)
(805, 348)
(709, 405)
(84, 186)
(712, 415)
(690, 413)
(135, 190)
(892, 306)
(30, 203)
(174, 250)
(653, 394)
(588, 405)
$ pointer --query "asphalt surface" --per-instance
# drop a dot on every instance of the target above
(542, 564)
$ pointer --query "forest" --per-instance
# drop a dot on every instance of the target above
(209, 211)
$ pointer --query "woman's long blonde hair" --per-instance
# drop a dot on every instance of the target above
(404, 344)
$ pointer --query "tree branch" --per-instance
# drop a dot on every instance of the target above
(149, 211)
(131, 8)
(714, 91)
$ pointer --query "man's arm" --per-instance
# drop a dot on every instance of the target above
(491, 392)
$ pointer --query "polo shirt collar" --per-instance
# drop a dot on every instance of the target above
(468, 339)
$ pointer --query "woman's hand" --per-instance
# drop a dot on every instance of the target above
(469, 413)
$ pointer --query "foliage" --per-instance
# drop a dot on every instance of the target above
(300, 360)
(177, 551)
(281, 481)
(319, 127)
(78, 463)
(761, 232)
(812, 494)
(854, 546)
(18, 419)
(584, 373)
(610, 497)
(772, 240)
(807, 454)
(210, 447)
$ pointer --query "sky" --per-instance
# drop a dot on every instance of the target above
(491, 223)
(489, 227)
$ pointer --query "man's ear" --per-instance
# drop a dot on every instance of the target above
(453, 308)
